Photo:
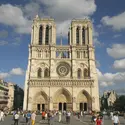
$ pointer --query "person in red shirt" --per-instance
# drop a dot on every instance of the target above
(98, 121)
(43, 115)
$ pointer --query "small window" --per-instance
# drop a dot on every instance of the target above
(85, 73)
(40, 35)
(77, 36)
(79, 73)
(83, 36)
(39, 73)
(47, 35)
(46, 73)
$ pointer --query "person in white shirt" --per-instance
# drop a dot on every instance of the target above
(60, 116)
(16, 118)
(115, 119)
(2, 116)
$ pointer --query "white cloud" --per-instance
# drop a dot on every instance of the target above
(117, 35)
(119, 64)
(116, 22)
(2, 43)
(117, 51)
(20, 17)
(108, 79)
(63, 10)
(16, 71)
(4, 75)
(31, 9)
(13, 16)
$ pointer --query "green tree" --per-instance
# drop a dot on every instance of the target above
(119, 104)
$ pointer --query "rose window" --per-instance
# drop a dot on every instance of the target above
(63, 69)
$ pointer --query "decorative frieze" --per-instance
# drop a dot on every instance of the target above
(75, 83)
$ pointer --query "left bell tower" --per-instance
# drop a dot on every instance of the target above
(43, 31)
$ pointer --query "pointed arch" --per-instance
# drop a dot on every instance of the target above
(47, 35)
(64, 93)
(41, 97)
(39, 73)
(46, 73)
(40, 35)
(83, 35)
(77, 35)
(79, 73)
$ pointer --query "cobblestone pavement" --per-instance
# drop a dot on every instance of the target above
(86, 120)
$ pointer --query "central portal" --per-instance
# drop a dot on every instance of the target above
(62, 100)
(62, 106)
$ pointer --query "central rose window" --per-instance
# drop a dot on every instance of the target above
(63, 69)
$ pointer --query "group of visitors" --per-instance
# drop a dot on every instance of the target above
(98, 119)
(67, 116)
(29, 117)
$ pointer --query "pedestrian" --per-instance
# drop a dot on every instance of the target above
(33, 117)
(115, 119)
(60, 116)
(68, 115)
(98, 121)
(78, 115)
(43, 115)
(2, 115)
(28, 118)
(16, 118)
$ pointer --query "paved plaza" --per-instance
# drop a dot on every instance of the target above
(86, 120)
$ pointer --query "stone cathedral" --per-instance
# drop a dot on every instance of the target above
(61, 77)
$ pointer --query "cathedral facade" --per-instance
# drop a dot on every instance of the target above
(61, 77)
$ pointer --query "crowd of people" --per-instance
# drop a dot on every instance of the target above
(30, 117)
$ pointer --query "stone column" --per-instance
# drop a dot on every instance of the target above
(32, 35)
(53, 34)
(90, 35)
(74, 35)
(86, 36)
(44, 34)
(70, 36)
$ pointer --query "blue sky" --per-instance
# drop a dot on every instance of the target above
(108, 19)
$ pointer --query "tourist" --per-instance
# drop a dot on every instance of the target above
(98, 121)
(28, 118)
(115, 119)
(68, 117)
(33, 117)
(16, 118)
(2, 115)
(60, 116)
(43, 115)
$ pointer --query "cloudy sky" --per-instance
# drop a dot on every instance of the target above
(108, 17)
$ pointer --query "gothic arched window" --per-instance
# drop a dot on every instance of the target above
(40, 35)
(46, 73)
(77, 36)
(47, 35)
(79, 73)
(85, 73)
(39, 73)
(83, 36)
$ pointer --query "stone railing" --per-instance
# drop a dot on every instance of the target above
(59, 82)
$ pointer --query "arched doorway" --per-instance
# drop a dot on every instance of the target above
(84, 101)
(62, 100)
(40, 101)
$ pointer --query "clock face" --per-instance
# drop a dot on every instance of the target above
(63, 69)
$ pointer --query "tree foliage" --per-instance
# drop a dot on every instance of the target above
(119, 104)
